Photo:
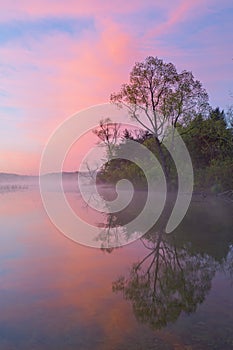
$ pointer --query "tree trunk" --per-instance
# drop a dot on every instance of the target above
(162, 160)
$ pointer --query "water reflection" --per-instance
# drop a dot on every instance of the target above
(175, 274)
(166, 282)
(55, 294)
(111, 233)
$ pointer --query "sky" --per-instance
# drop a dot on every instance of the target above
(57, 57)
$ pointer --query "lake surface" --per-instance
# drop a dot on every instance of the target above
(161, 292)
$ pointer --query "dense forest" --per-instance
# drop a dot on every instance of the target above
(209, 141)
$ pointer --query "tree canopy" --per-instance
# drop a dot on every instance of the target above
(158, 92)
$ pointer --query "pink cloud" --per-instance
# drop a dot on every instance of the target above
(67, 75)
(26, 9)
(185, 10)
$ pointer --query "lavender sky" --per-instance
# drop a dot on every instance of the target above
(57, 57)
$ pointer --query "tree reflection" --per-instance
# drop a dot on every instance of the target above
(227, 266)
(175, 274)
(111, 234)
(166, 282)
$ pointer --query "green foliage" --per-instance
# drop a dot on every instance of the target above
(210, 144)
(208, 139)
(216, 177)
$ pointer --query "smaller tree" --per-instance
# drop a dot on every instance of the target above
(230, 116)
(109, 133)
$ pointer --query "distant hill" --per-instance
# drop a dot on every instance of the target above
(16, 182)
(65, 175)
(8, 177)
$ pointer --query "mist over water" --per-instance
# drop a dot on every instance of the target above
(10, 182)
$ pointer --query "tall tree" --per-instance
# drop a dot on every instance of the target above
(163, 97)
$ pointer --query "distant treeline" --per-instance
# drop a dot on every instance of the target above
(12, 188)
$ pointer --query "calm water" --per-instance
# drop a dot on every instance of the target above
(161, 292)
